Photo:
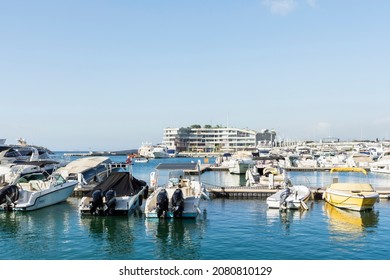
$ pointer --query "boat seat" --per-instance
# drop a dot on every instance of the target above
(35, 185)
(183, 183)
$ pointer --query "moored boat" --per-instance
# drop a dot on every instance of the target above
(35, 190)
(179, 197)
(351, 195)
(119, 194)
(291, 197)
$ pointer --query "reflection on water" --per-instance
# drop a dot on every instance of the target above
(176, 238)
(26, 231)
(285, 218)
(114, 236)
(223, 178)
(346, 225)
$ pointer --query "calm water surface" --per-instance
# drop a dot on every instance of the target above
(226, 229)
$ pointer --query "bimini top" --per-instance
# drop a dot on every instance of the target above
(121, 182)
(177, 166)
(348, 169)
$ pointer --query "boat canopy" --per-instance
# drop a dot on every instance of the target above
(348, 169)
(355, 187)
(121, 182)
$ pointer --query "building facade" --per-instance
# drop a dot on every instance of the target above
(211, 139)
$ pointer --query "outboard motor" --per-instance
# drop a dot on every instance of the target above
(177, 203)
(283, 196)
(162, 203)
(110, 202)
(97, 202)
(8, 195)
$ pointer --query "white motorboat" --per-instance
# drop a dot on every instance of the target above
(36, 190)
(119, 194)
(141, 160)
(291, 197)
(179, 197)
(240, 162)
(160, 151)
(382, 165)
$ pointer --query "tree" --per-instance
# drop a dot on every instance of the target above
(196, 126)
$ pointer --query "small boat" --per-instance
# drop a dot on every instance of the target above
(382, 165)
(351, 195)
(179, 197)
(119, 194)
(291, 197)
(35, 190)
(141, 160)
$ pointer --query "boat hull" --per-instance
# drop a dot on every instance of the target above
(29, 201)
(124, 205)
(356, 202)
(191, 205)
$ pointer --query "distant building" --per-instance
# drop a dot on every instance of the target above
(330, 140)
(266, 138)
(214, 139)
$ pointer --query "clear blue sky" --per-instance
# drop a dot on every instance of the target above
(109, 75)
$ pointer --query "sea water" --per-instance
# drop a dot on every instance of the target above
(226, 229)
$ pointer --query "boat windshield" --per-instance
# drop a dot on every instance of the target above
(58, 179)
(27, 178)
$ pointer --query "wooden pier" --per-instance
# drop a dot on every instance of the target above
(251, 192)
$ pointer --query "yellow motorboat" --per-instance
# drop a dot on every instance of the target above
(351, 195)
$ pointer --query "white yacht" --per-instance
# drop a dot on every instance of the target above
(147, 150)
(160, 151)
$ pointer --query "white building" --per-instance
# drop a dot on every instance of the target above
(210, 139)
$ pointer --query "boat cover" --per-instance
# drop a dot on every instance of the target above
(121, 182)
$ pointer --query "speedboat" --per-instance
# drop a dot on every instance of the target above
(351, 195)
(291, 197)
(35, 190)
(382, 165)
(119, 194)
(141, 160)
(180, 196)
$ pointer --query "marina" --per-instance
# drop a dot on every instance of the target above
(233, 210)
